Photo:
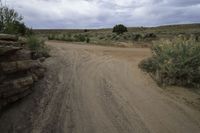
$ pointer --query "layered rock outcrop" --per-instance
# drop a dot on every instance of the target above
(18, 70)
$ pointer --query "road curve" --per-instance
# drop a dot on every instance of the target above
(93, 89)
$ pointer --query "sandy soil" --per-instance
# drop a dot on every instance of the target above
(94, 89)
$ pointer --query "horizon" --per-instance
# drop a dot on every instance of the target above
(98, 14)
(185, 24)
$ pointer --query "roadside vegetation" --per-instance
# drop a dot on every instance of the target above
(12, 23)
(70, 37)
(175, 62)
(108, 38)
(175, 49)
(38, 47)
(135, 36)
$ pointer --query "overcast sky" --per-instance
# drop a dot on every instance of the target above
(105, 13)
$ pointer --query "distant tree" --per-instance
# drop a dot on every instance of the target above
(120, 29)
(86, 30)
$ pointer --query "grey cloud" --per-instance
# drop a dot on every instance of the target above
(104, 13)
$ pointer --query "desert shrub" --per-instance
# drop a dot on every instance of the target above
(136, 37)
(120, 29)
(101, 37)
(37, 46)
(149, 65)
(117, 38)
(113, 36)
(68, 39)
(80, 38)
(149, 36)
(194, 37)
(88, 40)
(127, 35)
(51, 37)
(63, 36)
(108, 35)
(69, 35)
(175, 62)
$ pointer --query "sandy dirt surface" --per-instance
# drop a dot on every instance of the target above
(94, 89)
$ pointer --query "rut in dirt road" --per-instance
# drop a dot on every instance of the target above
(88, 91)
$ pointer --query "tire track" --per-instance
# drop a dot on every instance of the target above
(94, 92)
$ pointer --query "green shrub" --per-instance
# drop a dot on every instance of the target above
(125, 37)
(175, 62)
(120, 29)
(37, 46)
(68, 39)
(51, 37)
(69, 35)
(136, 37)
(80, 38)
(108, 35)
(101, 37)
(113, 36)
(149, 65)
(149, 36)
(88, 40)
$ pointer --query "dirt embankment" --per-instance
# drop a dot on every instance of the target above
(93, 89)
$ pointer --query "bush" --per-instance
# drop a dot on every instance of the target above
(68, 39)
(88, 40)
(175, 62)
(113, 36)
(51, 37)
(80, 38)
(119, 29)
(149, 36)
(101, 37)
(136, 37)
(38, 47)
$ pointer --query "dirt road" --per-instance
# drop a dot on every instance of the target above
(93, 89)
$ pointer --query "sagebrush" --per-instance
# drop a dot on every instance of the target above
(175, 62)
(38, 47)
